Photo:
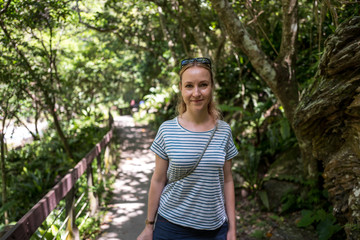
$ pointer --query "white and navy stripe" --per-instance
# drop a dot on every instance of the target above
(196, 201)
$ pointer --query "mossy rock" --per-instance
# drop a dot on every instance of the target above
(283, 177)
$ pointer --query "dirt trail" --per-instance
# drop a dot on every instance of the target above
(125, 219)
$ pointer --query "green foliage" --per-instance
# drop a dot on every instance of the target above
(276, 138)
(89, 227)
(74, 56)
(308, 197)
(51, 226)
(249, 169)
(87, 132)
(258, 234)
(159, 106)
(36, 167)
(264, 199)
(315, 209)
(280, 136)
(325, 222)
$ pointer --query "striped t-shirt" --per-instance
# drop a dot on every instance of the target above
(196, 201)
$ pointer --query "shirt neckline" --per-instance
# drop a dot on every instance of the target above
(177, 122)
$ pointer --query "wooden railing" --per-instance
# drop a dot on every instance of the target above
(33, 219)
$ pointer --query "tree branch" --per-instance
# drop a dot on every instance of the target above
(242, 39)
(41, 42)
(166, 32)
(103, 30)
(199, 35)
(5, 8)
(110, 30)
(34, 136)
(289, 31)
(279, 75)
(256, 21)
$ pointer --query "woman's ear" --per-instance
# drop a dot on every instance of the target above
(179, 86)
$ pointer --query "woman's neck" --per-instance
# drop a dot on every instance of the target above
(197, 122)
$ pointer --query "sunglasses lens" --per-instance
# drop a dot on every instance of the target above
(199, 60)
(185, 62)
(203, 60)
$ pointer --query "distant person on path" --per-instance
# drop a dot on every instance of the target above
(192, 194)
(133, 106)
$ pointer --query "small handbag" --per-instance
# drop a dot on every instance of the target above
(197, 162)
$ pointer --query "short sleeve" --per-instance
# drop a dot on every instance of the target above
(230, 149)
(158, 146)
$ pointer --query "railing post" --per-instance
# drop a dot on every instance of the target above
(101, 178)
(107, 158)
(111, 120)
(70, 212)
(107, 155)
(91, 194)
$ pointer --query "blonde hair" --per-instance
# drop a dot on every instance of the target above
(212, 107)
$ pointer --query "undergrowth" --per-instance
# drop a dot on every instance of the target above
(36, 167)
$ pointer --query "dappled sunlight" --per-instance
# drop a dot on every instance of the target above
(127, 211)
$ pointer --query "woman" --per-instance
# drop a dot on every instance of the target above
(192, 189)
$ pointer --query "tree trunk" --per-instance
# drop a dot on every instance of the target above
(327, 119)
(37, 116)
(49, 103)
(60, 132)
(278, 75)
(196, 31)
(3, 171)
(328, 123)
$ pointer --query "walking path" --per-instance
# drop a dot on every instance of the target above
(127, 211)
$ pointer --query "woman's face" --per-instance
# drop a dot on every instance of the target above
(196, 88)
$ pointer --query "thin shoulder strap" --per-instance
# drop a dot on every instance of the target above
(201, 155)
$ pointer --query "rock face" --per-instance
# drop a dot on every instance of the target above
(276, 190)
(282, 178)
(328, 119)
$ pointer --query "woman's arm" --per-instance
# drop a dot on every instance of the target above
(230, 200)
(158, 181)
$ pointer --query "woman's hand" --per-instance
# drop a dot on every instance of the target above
(147, 233)
(231, 235)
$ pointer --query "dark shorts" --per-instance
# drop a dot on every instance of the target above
(165, 230)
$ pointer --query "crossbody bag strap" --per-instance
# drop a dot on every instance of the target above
(197, 162)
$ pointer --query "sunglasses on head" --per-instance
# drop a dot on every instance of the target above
(206, 61)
